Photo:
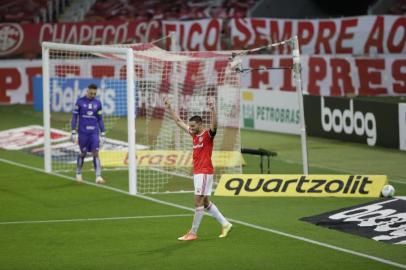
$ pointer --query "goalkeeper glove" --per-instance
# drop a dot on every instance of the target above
(73, 136)
(102, 139)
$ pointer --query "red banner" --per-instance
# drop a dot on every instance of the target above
(200, 35)
(330, 75)
(26, 39)
(363, 35)
(321, 75)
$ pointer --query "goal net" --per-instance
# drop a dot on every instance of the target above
(163, 159)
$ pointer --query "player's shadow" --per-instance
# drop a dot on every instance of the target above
(172, 248)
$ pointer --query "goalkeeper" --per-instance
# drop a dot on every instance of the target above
(89, 111)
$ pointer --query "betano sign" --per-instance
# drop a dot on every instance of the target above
(287, 185)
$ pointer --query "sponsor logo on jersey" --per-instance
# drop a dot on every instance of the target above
(200, 145)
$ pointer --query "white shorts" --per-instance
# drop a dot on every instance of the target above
(203, 184)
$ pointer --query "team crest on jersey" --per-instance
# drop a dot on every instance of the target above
(90, 105)
(200, 139)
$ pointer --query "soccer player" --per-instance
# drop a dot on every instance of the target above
(203, 140)
(89, 111)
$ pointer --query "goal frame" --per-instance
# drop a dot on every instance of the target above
(129, 56)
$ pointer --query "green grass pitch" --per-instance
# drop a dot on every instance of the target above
(50, 222)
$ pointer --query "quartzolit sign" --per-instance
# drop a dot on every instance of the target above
(301, 185)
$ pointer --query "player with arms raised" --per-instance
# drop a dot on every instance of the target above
(89, 111)
(203, 140)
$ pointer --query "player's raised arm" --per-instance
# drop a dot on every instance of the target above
(213, 120)
(175, 117)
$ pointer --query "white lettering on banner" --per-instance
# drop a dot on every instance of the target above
(386, 220)
(349, 121)
(402, 126)
(200, 35)
(63, 100)
(358, 35)
(145, 30)
(84, 34)
(330, 75)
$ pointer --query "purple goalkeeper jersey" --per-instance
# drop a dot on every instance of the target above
(90, 116)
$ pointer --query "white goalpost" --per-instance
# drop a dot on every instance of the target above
(298, 81)
(296, 68)
(135, 79)
(68, 56)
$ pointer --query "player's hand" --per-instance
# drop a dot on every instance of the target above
(102, 139)
(211, 103)
(73, 136)
(167, 102)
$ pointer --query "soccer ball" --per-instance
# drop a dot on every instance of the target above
(388, 191)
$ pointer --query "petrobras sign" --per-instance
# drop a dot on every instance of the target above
(268, 110)
(65, 91)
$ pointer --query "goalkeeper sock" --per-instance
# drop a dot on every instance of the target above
(97, 166)
(199, 212)
(79, 164)
(214, 211)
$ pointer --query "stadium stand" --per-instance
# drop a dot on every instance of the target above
(31, 11)
(175, 10)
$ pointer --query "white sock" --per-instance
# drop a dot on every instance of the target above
(214, 211)
(199, 212)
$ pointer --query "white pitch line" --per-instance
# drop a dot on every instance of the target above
(250, 225)
(90, 219)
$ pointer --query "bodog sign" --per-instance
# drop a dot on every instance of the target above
(301, 185)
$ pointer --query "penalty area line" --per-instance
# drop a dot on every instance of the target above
(243, 223)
